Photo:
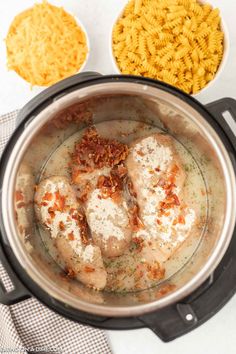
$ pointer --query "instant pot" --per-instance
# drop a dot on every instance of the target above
(195, 292)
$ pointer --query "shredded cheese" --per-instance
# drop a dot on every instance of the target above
(45, 45)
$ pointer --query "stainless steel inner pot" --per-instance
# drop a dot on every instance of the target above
(106, 101)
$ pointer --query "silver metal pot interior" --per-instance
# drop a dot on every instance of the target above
(104, 102)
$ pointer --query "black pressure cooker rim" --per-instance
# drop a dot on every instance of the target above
(23, 283)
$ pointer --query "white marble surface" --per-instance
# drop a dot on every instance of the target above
(218, 335)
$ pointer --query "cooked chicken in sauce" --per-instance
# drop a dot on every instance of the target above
(59, 212)
(99, 182)
(158, 179)
(122, 214)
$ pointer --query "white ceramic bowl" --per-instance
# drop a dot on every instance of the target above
(80, 24)
(220, 68)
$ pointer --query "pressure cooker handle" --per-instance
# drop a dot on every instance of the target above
(19, 292)
(53, 92)
(178, 319)
(218, 109)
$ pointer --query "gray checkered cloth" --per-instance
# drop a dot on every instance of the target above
(29, 326)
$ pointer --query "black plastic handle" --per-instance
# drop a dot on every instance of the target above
(49, 94)
(19, 292)
(179, 319)
(217, 109)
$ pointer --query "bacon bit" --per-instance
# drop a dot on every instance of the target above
(21, 205)
(89, 269)
(44, 204)
(173, 172)
(94, 151)
(175, 169)
(60, 201)
(81, 220)
(71, 236)
(19, 196)
(168, 187)
(75, 173)
(159, 222)
(47, 196)
(51, 212)
(155, 272)
(101, 181)
(157, 169)
(70, 273)
(61, 226)
(110, 186)
(83, 197)
(176, 199)
(83, 228)
(169, 202)
(172, 179)
(139, 243)
(135, 221)
(181, 219)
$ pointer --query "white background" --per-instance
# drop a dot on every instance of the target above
(218, 335)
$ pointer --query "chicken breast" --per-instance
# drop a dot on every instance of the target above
(23, 201)
(109, 223)
(59, 212)
(98, 173)
(106, 210)
(158, 179)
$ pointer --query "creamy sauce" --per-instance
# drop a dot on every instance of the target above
(122, 270)
(100, 218)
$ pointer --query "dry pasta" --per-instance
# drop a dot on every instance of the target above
(177, 41)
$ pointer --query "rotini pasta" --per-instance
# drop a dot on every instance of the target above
(151, 46)
(137, 6)
(177, 41)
